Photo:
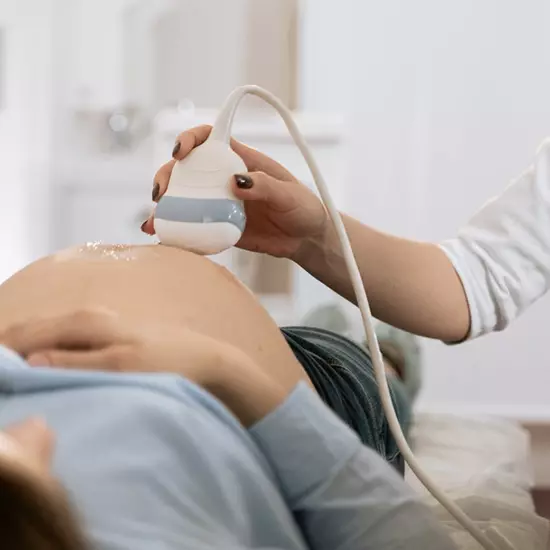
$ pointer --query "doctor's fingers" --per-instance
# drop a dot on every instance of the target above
(255, 160)
(162, 177)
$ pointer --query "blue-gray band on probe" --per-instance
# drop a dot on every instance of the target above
(180, 209)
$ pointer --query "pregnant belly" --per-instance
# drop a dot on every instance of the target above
(154, 284)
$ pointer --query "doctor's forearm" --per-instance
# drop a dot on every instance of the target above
(411, 285)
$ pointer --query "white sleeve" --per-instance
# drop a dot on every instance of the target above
(503, 254)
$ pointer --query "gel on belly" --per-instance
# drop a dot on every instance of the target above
(199, 212)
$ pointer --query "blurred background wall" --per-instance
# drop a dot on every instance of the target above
(418, 111)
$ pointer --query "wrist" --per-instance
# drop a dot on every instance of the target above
(313, 249)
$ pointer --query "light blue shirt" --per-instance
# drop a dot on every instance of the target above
(153, 462)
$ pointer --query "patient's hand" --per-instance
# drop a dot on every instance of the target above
(101, 340)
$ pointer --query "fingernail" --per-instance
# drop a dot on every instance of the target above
(176, 149)
(156, 192)
(243, 182)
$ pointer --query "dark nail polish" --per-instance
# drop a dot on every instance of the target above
(176, 149)
(156, 192)
(243, 182)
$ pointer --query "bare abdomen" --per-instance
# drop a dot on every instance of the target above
(153, 284)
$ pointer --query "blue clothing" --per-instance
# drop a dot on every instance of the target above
(153, 462)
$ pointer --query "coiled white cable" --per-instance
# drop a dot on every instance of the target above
(222, 132)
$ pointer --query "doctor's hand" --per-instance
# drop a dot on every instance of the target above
(282, 214)
(98, 339)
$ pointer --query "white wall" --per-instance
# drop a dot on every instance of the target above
(450, 102)
(326, 61)
(26, 118)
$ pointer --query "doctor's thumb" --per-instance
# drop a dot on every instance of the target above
(259, 186)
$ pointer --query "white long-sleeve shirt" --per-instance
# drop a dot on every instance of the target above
(503, 254)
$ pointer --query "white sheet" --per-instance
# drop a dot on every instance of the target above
(484, 463)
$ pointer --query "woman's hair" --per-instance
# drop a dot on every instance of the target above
(35, 515)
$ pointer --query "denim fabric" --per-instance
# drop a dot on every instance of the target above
(343, 375)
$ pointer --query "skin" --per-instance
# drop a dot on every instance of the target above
(151, 285)
(149, 308)
(175, 311)
(26, 450)
(100, 339)
(154, 308)
(114, 343)
(411, 285)
(142, 308)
